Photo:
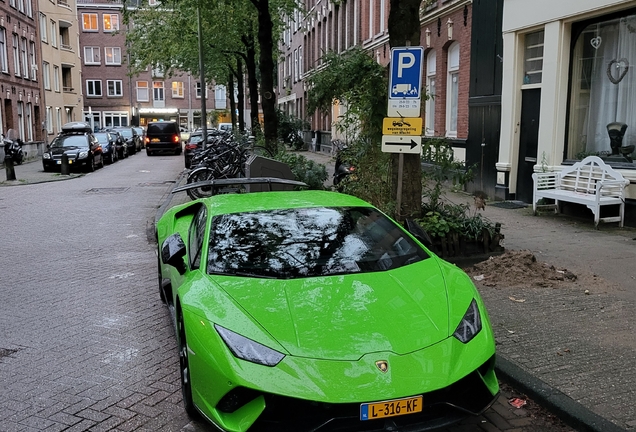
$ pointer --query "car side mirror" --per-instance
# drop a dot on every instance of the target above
(418, 232)
(172, 252)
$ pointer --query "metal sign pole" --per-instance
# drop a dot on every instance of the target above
(398, 210)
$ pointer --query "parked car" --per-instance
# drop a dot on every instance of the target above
(132, 139)
(184, 134)
(109, 146)
(120, 143)
(163, 137)
(78, 142)
(142, 135)
(194, 143)
(225, 127)
(299, 309)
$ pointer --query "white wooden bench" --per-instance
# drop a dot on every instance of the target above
(590, 182)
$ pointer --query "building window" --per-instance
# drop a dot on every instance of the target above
(29, 121)
(16, 54)
(533, 58)
(89, 22)
(49, 120)
(29, 8)
(113, 55)
(452, 90)
(21, 119)
(114, 88)
(177, 89)
(431, 70)
(198, 91)
(114, 119)
(56, 78)
(157, 91)
(58, 118)
(46, 75)
(603, 88)
(24, 55)
(43, 32)
(93, 87)
(301, 70)
(111, 22)
(295, 65)
(34, 62)
(53, 34)
(4, 59)
(92, 55)
(220, 96)
(142, 91)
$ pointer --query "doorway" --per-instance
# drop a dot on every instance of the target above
(528, 142)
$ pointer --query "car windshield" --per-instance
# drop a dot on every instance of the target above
(194, 139)
(69, 141)
(127, 133)
(306, 242)
(102, 138)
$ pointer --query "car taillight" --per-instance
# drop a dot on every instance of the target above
(147, 140)
(175, 139)
(191, 146)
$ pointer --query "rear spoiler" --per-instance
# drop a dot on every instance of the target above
(239, 181)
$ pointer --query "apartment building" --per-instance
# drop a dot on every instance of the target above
(61, 64)
(569, 73)
(114, 98)
(446, 36)
(22, 103)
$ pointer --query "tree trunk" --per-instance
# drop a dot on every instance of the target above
(404, 28)
(266, 66)
(252, 81)
(230, 90)
(240, 103)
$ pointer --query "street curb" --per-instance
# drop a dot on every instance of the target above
(568, 410)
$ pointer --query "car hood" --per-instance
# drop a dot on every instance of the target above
(345, 317)
(67, 150)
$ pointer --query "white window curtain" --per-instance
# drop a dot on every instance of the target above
(613, 83)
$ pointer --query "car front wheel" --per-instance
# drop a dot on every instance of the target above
(184, 368)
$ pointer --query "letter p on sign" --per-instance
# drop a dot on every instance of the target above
(405, 60)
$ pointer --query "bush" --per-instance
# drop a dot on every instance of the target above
(305, 170)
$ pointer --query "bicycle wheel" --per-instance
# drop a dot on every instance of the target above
(259, 150)
(197, 175)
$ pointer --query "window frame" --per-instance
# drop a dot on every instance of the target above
(117, 92)
(90, 18)
(92, 92)
(115, 55)
(93, 51)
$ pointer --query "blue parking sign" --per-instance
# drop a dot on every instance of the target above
(406, 72)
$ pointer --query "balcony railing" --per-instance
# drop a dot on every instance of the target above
(66, 47)
(67, 89)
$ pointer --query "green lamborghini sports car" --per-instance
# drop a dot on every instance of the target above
(313, 311)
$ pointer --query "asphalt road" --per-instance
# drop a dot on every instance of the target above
(85, 342)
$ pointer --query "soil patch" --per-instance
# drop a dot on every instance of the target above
(521, 268)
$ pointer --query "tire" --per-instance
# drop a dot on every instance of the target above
(184, 369)
(148, 152)
(197, 175)
(101, 161)
(91, 166)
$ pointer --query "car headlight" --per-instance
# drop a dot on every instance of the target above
(470, 324)
(83, 155)
(46, 156)
(247, 349)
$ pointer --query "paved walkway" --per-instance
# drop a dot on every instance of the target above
(592, 384)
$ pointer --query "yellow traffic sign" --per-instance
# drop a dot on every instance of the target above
(402, 126)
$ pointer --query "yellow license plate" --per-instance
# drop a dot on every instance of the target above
(154, 139)
(391, 408)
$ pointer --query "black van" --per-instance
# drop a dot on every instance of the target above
(163, 137)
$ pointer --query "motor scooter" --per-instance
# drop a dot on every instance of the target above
(13, 149)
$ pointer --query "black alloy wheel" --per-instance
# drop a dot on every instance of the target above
(184, 368)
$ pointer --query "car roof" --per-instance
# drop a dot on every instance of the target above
(78, 127)
(259, 201)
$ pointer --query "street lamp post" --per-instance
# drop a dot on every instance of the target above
(204, 116)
